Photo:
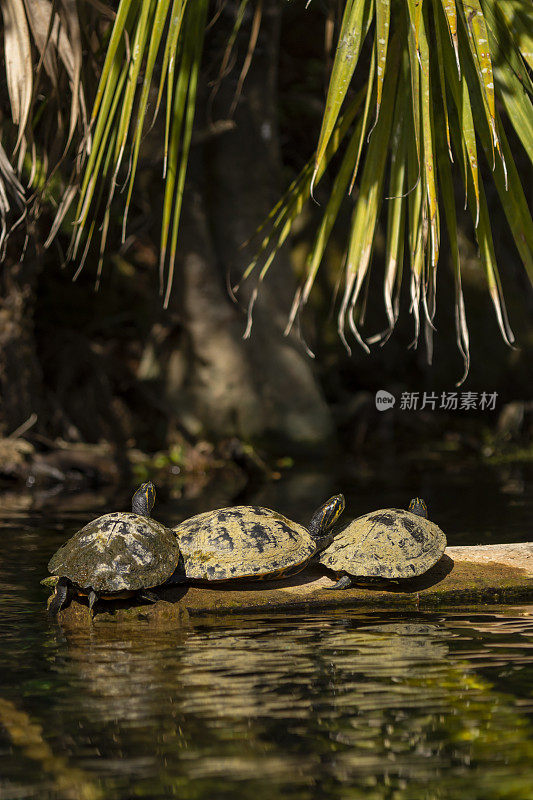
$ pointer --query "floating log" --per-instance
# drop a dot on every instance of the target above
(482, 574)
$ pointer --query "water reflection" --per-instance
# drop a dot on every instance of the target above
(334, 705)
(337, 706)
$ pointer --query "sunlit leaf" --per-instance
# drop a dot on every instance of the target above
(396, 204)
(442, 78)
(461, 97)
(254, 34)
(169, 59)
(514, 204)
(338, 194)
(450, 11)
(125, 14)
(158, 26)
(488, 257)
(355, 24)
(509, 188)
(429, 176)
(518, 106)
(173, 52)
(290, 205)
(103, 145)
(415, 76)
(368, 203)
(18, 62)
(517, 15)
(448, 201)
(432, 86)
(382, 41)
(12, 197)
(192, 54)
(70, 51)
(365, 119)
(502, 40)
(417, 225)
(474, 21)
(134, 66)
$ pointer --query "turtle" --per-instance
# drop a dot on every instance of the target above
(388, 543)
(117, 555)
(252, 542)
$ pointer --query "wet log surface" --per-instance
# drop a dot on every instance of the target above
(485, 574)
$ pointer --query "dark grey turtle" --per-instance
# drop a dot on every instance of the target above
(252, 542)
(388, 543)
(115, 556)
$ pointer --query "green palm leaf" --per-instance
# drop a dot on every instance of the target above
(382, 41)
(355, 25)
(435, 90)
(457, 60)
(119, 113)
(451, 17)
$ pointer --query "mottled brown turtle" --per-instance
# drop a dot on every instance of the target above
(252, 542)
(387, 543)
(117, 555)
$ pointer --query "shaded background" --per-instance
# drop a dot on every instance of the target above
(112, 369)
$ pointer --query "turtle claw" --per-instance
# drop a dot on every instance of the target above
(343, 583)
(150, 596)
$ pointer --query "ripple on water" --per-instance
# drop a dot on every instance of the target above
(332, 705)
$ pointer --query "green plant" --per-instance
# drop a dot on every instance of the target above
(441, 77)
(42, 49)
(436, 89)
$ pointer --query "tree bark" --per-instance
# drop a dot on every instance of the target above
(261, 388)
(21, 388)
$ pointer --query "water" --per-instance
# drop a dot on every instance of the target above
(340, 704)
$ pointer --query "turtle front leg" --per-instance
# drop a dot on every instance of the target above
(343, 583)
(59, 598)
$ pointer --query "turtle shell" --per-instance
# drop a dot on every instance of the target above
(117, 552)
(243, 542)
(388, 543)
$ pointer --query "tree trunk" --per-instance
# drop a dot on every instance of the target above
(262, 387)
(20, 374)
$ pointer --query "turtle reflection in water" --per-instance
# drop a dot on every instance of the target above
(253, 542)
(390, 543)
(115, 556)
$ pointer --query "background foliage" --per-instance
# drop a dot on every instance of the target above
(411, 109)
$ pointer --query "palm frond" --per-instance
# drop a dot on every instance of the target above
(454, 63)
(12, 200)
(42, 50)
(175, 31)
(355, 25)
(19, 66)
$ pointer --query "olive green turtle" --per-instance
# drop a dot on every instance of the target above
(387, 543)
(115, 556)
(252, 542)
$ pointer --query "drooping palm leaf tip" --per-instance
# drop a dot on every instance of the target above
(439, 73)
(143, 30)
(428, 104)
(42, 55)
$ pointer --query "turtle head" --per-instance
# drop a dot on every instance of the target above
(143, 500)
(326, 516)
(417, 506)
